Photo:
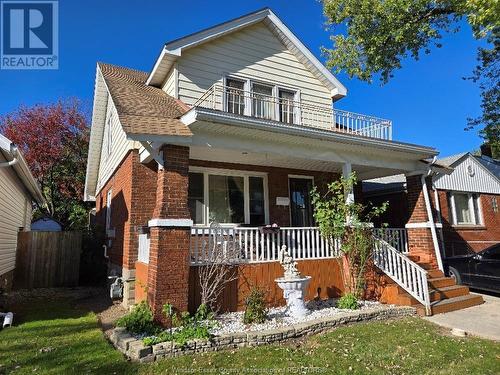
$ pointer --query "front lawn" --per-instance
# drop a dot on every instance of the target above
(56, 338)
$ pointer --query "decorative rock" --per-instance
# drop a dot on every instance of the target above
(134, 348)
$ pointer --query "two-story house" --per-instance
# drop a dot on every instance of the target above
(235, 124)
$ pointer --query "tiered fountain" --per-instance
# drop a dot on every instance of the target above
(293, 285)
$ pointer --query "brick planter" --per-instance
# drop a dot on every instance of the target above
(135, 350)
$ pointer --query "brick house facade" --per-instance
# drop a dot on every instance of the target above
(455, 238)
(241, 144)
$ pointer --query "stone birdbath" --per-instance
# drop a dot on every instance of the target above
(293, 286)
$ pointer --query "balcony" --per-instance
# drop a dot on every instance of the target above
(285, 110)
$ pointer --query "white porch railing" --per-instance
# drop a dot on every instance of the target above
(286, 110)
(250, 245)
(143, 252)
(406, 273)
(396, 237)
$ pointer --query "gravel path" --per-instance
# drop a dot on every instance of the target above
(233, 322)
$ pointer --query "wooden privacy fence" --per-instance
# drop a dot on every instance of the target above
(47, 259)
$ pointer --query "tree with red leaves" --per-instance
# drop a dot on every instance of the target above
(53, 139)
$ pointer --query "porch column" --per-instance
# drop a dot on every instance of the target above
(170, 230)
(420, 237)
(346, 173)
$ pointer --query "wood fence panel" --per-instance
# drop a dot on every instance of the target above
(47, 259)
(326, 282)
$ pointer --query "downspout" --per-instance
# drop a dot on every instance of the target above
(431, 218)
(15, 155)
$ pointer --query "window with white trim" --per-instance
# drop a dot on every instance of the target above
(227, 197)
(464, 208)
(248, 97)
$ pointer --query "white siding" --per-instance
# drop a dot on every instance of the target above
(460, 180)
(15, 213)
(119, 146)
(170, 83)
(253, 52)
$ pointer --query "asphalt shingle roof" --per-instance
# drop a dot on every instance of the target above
(143, 109)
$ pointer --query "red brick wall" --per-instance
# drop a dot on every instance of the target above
(459, 239)
(133, 199)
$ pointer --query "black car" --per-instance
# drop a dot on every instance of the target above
(480, 270)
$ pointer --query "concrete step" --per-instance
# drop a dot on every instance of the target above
(441, 282)
(452, 304)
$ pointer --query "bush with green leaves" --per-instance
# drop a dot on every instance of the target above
(187, 327)
(348, 301)
(256, 310)
(139, 320)
(347, 221)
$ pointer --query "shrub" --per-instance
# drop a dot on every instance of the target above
(187, 327)
(139, 320)
(255, 311)
(348, 301)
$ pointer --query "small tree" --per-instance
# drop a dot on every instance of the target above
(53, 139)
(347, 223)
(218, 269)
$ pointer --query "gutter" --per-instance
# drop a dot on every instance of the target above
(14, 152)
(203, 114)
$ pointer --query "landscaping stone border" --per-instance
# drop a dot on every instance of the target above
(135, 350)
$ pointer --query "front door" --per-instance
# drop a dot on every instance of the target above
(300, 202)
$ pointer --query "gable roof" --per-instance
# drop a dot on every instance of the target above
(493, 165)
(12, 154)
(471, 173)
(173, 50)
(142, 109)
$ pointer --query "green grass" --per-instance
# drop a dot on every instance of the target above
(55, 338)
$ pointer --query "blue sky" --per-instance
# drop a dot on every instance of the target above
(427, 100)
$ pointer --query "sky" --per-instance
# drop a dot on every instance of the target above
(427, 100)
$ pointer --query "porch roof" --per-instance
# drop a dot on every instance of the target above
(219, 136)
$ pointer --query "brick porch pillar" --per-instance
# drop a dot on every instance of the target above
(420, 241)
(170, 229)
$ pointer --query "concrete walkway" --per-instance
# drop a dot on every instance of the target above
(482, 321)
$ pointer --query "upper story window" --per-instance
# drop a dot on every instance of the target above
(465, 208)
(287, 106)
(261, 100)
(235, 96)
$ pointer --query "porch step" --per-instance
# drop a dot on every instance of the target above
(441, 282)
(414, 258)
(452, 304)
(434, 274)
(435, 294)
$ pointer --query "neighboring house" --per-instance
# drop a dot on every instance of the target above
(18, 192)
(46, 224)
(235, 124)
(465, 201)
